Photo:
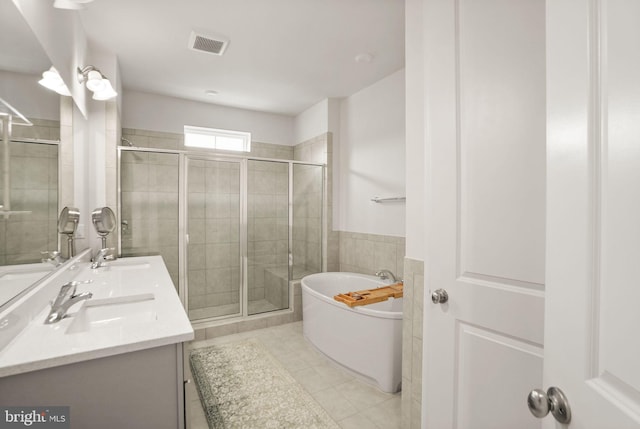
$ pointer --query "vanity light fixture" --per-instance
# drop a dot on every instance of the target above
(97, 83)
(51, 80)
(70, 4)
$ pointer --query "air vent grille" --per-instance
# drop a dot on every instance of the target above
(210, 44)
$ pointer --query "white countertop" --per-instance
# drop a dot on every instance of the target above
(155, 318)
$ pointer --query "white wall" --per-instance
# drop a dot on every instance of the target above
(168, 114)
(312, 122)
(415, 132)
(371, 158)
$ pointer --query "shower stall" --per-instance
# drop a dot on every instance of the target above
(28, 194)
(233, 231)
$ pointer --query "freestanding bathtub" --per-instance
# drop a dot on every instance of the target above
(365, 339)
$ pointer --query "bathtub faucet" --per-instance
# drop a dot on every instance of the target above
(386, 274)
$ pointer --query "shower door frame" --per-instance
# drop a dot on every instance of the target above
(6, 179)
(183, 220)
(183, 236)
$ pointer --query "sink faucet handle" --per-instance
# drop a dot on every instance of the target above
(102, 256)
(67, 290)
(52, 256)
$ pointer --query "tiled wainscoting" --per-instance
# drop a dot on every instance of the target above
(368, 253)
(412, 343)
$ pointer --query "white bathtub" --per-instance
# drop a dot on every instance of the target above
(365, 339)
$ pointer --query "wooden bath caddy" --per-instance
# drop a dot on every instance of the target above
(370, 296)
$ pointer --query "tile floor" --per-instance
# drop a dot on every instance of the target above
(350, 402)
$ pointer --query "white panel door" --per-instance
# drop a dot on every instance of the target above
(485, 126)
(592, 350)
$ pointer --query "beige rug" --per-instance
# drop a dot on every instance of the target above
(242, 386)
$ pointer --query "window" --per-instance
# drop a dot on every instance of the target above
(210, 138)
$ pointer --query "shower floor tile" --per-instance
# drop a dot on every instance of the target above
(350, 402)
(215, 311)
(261, 306)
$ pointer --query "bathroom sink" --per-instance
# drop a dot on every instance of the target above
(14, 280)
(121, 265)
(24, 274)
(114, 312)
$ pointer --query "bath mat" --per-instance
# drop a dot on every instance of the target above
(242, 386)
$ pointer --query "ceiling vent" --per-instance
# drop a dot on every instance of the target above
(207, 43)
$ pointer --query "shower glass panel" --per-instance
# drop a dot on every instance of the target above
(214, 262)
(307, 219)
(29, 200)
(268, 236)
(244, 228)
(149, 184)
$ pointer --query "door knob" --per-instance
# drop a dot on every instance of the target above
(439, 296)
(540, 403)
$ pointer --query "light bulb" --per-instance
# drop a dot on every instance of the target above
(106, 93)
(51, 80)
(95, 82)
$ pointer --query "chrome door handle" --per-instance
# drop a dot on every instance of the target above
(439, 296)
(554, 400)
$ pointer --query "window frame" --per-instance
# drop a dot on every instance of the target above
(215, 133)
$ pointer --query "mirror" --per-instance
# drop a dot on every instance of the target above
(29, 159)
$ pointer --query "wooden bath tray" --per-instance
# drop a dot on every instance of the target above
(370, 296)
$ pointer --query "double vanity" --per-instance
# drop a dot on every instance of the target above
(113, 353)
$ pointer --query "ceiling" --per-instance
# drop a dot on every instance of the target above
(283, 55)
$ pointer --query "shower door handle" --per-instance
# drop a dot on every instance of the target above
(439, 296)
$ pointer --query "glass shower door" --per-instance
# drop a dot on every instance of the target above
(28, 201)
(149, 201)
(307, 219)
(214, 262)
(268, 236)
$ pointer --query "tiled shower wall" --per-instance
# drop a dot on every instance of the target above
(214, 233)
(320, 150)
(307, 219)
(34, 188)
(161, 140)
(268, 231)
(149, 216)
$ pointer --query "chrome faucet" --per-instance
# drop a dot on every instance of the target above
(65, 299)
(53, 257)
(386, 274)
(101, 258)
